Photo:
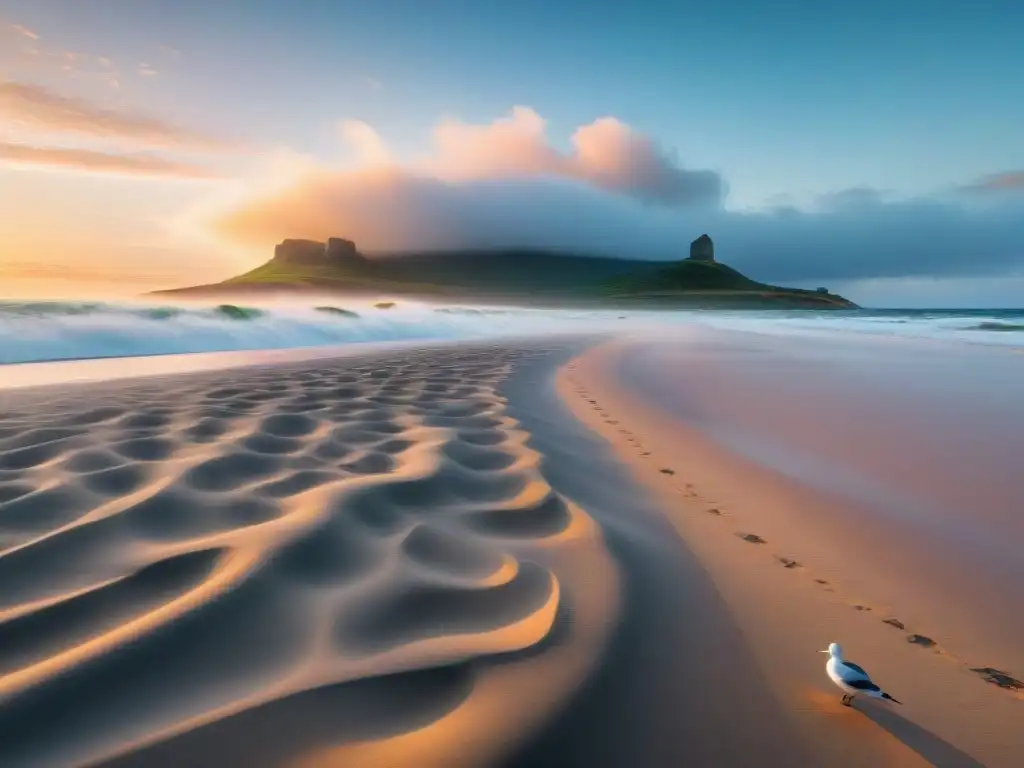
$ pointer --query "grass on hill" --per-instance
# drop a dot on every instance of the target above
(325, 276)
(530, 276)
(685, 275)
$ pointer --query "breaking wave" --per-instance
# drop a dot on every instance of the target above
(32, 331)
(61, 330)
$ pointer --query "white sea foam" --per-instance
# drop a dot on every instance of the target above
(35, 331)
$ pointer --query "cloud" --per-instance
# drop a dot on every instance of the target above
(607, 154)
(24, 53)
(1008, 181)
(100, 162)
(24, 31)
(613, 192)
(366, 142)
(878, 238)
(40, 109)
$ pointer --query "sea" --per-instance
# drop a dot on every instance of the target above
(36, 331)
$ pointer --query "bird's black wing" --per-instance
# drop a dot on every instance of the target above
(862, 685)
(856, 668)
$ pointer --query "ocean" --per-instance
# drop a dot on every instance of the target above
(34, 331)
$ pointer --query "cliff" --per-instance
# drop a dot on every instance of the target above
(523, 276)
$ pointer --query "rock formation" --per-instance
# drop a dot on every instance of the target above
(702, 249)
(339, 251)
(335, 251)
(299, 252)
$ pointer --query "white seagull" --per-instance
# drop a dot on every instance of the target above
(852, 678)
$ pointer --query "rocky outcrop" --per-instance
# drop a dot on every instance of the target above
(340, 251)
(702, 249)
(336, 251)
(299, 252)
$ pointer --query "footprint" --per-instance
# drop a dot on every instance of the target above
(717, 511)
(998, 677)
(923, 640)
(787, 562)
(753, 538)
(861, 608)
(646, 453)
(820, 581)
(665, 471)
(894, 623)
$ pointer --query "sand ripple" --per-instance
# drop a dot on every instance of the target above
(214, 553)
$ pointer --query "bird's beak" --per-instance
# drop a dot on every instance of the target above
(825, 651)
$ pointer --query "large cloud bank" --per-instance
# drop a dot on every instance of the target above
(615, 191)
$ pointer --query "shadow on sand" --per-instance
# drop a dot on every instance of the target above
(677, 685)
(936, 751)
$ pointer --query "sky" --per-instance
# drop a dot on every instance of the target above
(876, 148)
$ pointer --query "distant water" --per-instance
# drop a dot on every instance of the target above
(61, 330)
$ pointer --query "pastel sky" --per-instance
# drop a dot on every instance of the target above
(874, 147)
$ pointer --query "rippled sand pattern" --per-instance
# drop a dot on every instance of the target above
(187, 562)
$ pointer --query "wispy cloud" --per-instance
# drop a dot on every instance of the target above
(1007, 181)
(91, 161)
(24, 31)
(26, 54)
(42, 110)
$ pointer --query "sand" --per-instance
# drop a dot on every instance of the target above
(462, 555)
(325, 563)
(786, 562)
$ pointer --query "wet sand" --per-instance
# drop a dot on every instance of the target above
(421, 558)
(770, 454)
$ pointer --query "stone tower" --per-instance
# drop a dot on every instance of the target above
(702, 249)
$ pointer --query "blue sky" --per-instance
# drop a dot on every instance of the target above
(785, 101)
(908, 96)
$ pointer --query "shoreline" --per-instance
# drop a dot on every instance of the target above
(790, 592)
(426, 558)
(95, 370)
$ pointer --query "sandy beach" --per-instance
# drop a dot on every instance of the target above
(930, 617)
(502, 554)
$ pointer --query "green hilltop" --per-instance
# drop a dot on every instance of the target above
(521, 276)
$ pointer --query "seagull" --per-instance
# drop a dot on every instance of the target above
(852, 678)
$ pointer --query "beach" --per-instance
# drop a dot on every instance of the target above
(505, 552)
(770, 458)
